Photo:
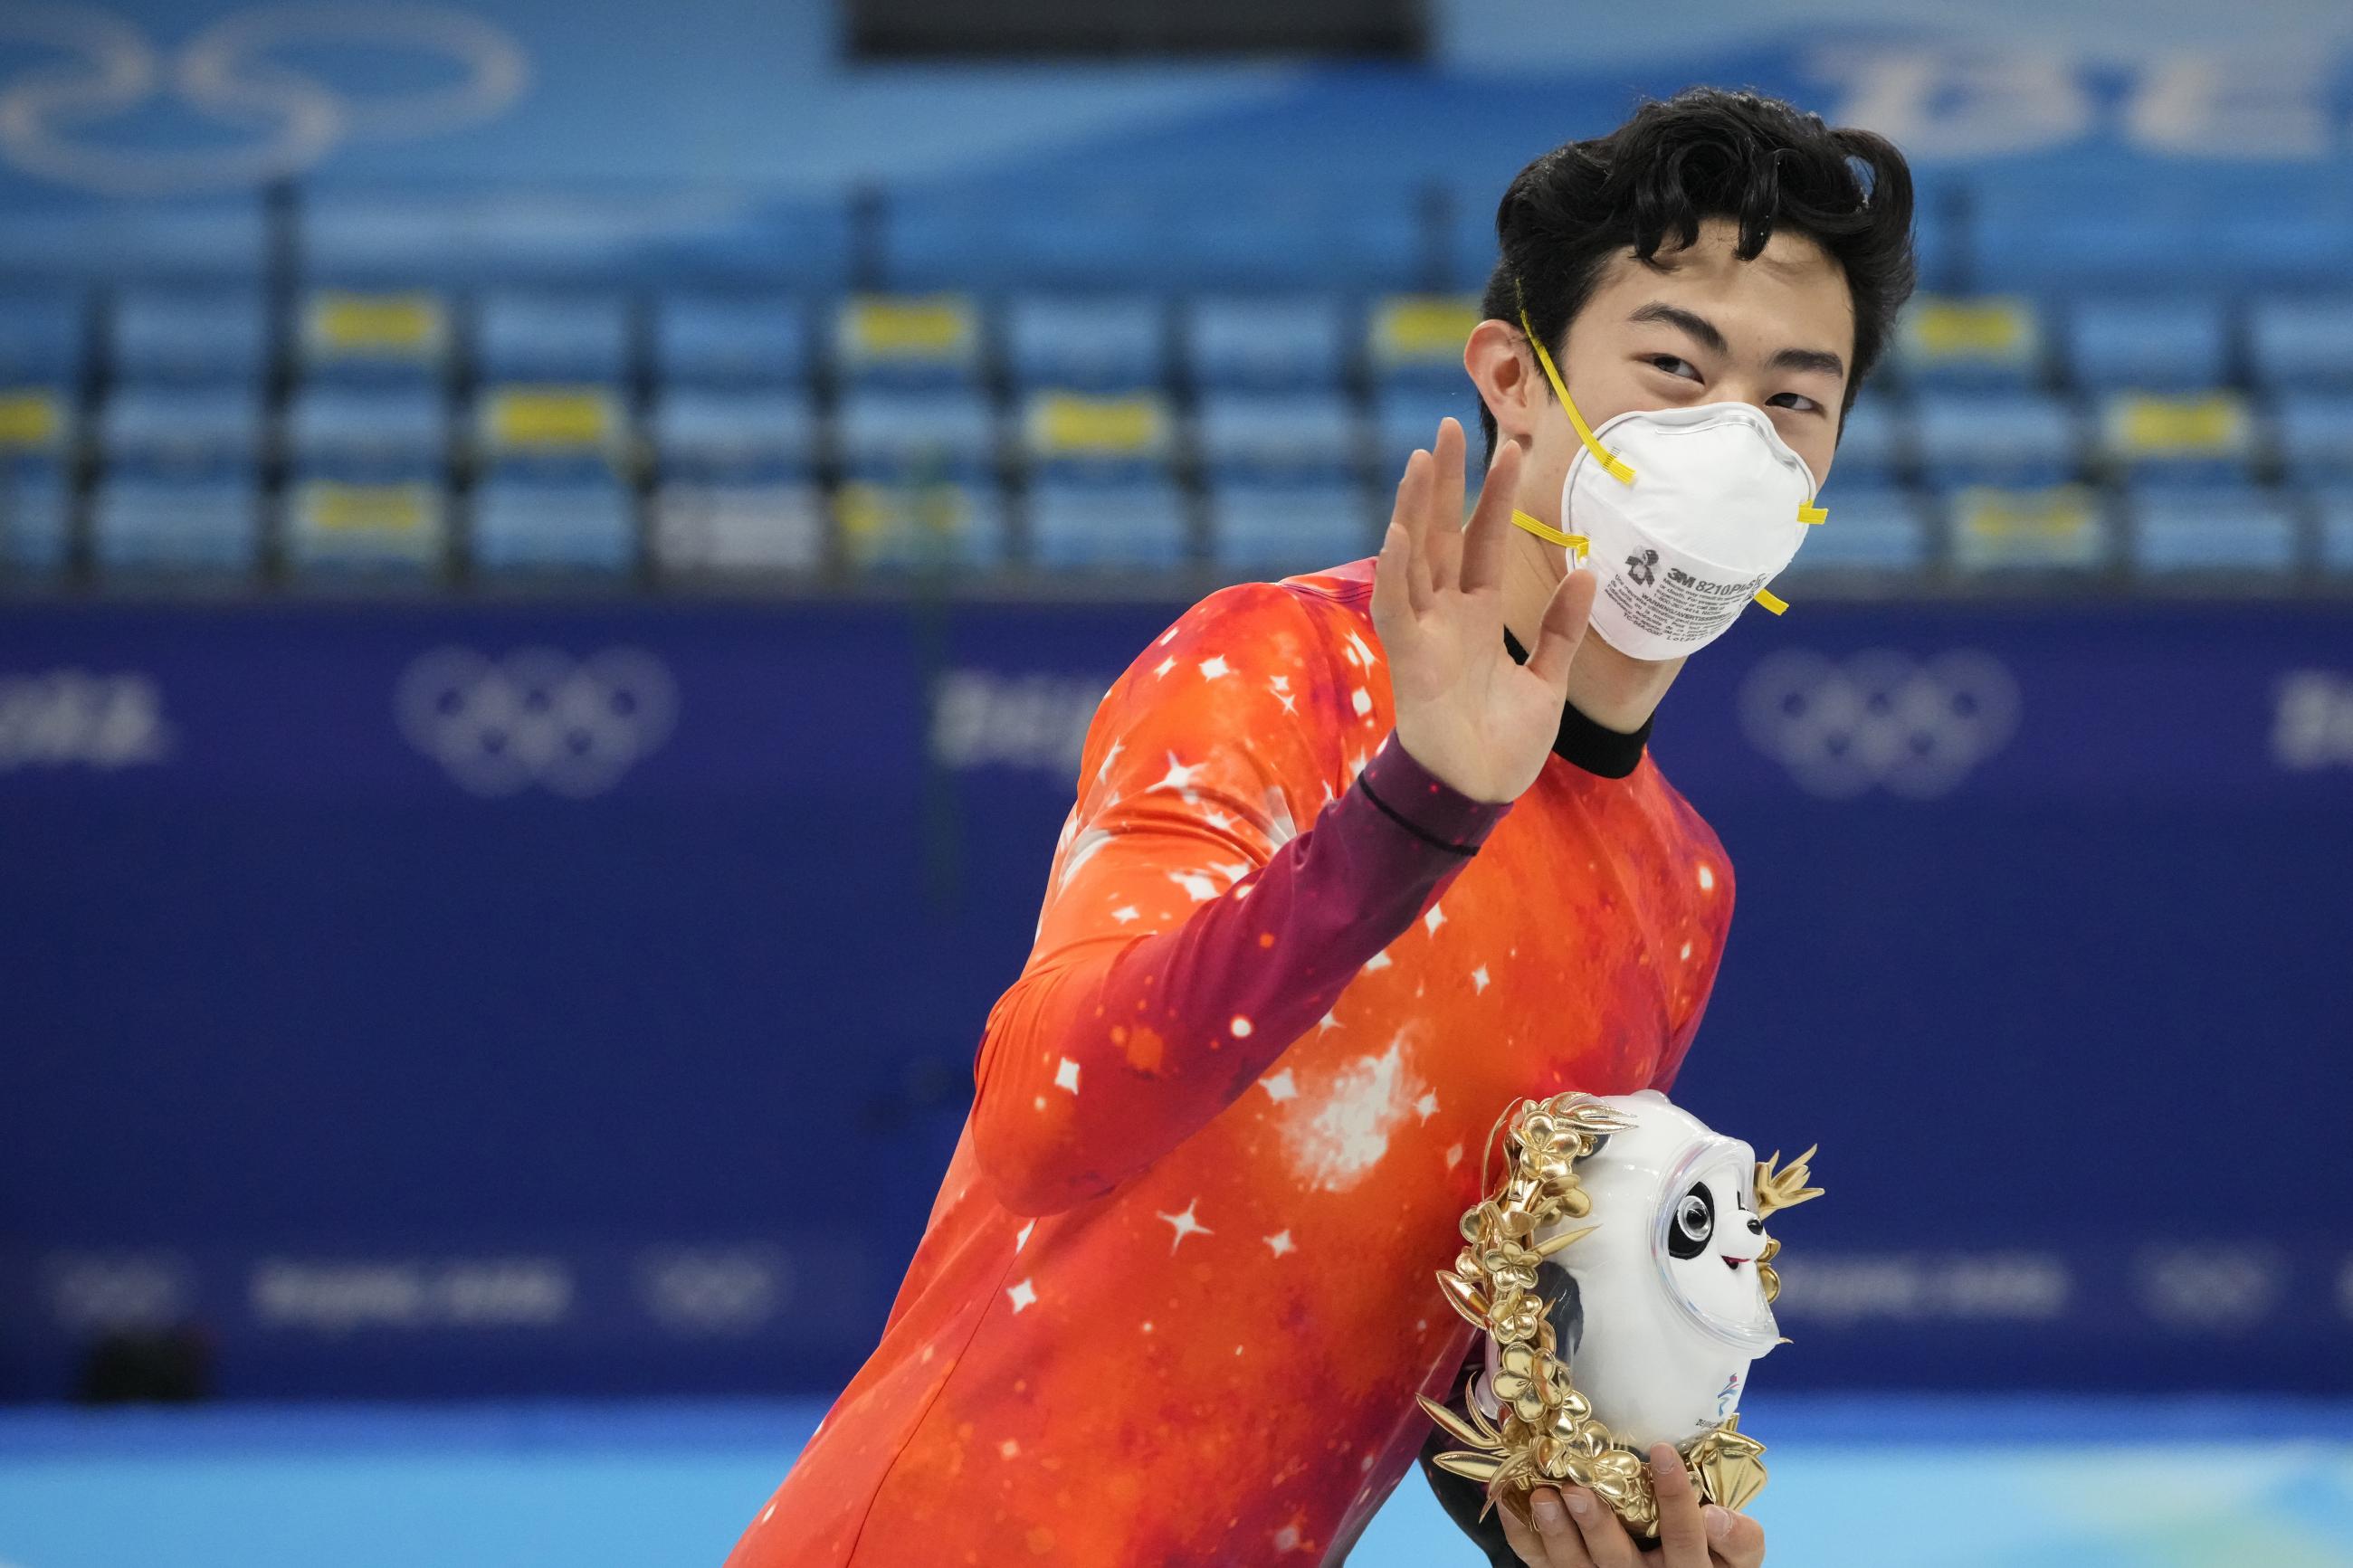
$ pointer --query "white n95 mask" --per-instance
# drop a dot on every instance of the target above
(1686, 515)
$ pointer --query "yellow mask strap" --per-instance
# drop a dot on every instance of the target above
(1575, 543)
(1608, 461)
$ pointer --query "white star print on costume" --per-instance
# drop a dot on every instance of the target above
(1356, 645)
(1426, 1106)
(1686, 949)
(1434, 919)
(1280, 1242)
(1066, 1075)
(1707, 879)
(1280, 830)
(1022, 1295)
(1341, 1143)
(1179, 775)
(1215, 667)
(1453, 1156)
(1379, 960)
(1083, 849)
(1164, 667)
(1279, 1087)
(1021, 1237)
(1327, 1022)
(1125, 913)
(1479, 980)
(1218, 819)
(1361, 701)
(1186, 1224)
(1009, 1449)
(1234, 870)
(1110, 757)
(1197, 886)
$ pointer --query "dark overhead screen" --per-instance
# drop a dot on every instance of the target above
(903, 29)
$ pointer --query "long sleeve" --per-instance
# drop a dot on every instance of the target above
(1189, 932)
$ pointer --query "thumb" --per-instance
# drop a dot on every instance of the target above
(1565, 622)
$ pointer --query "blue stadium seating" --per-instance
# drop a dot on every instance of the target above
(1871, 528)
(530, 335)
(2155, 342)
(199, 527)
(1274, 529)
(2056, 528)
(36, 518)
(1874, 443)
(892, 435)
(2299, 344)
(217, 335)
(755, 434)
(2201, 439)
(2150, 228)
(585, 428)
(1266, 341)
(183, 431)
(2335, 507)
(2314, 432)
(185, 239)
(1096, 438)
(1996, 438)
(1963, 342)
(930, 527)
(357, 433)
(1418, 339)
(2222, 529)
(1266, 434)
(928, 341)
(731, 339)
(706, 528)
(1077, 524)
(1087, 342)
(43, 337)
(333, 527)
(366, 338)
(526, 521)
(1406, 417)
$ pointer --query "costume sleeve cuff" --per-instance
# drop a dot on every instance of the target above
(1423, 803)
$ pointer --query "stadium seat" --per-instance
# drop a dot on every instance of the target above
(552, 422)
(1244, 435)
(1944, 341)
(1996, 438)
(1269, 342)
(2314, 435)
(2336, 509)
(943, 526)
(2057, 528)
(2153, 344)
(892, 435)
(360, 433)
(704, 529)
(2195, 438)
(2299, 344)
(1076, 524)
(1076, 433)
(532, 335)
(736, 434)
(202, 526)
(527, 521)
(1874, 443)
(1405, 418)
(35, 421)
(209, 335)
(2164, 223)
(347, 335)
(36, 518)
(183, 431)
(333, 526)
(1418, 338)
(44, 338)
(731, 339)
(907, 341)
(1871, 527)
(2236, 529)
(1089, 343)
(1274, 529)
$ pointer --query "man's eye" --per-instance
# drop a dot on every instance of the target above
(1797, 400)
(1674, 366)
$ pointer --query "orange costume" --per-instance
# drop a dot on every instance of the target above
(1175, 1299)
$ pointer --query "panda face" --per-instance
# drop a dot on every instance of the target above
(1710, 1237)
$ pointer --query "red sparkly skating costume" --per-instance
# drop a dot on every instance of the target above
(1176, 1296)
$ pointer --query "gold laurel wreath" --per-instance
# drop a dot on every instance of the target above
(1548, 1431)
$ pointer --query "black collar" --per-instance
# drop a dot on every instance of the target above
(1607, 753)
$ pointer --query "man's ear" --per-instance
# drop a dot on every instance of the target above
(1505, 374)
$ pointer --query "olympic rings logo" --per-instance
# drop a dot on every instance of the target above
(498, 726)
(235, 72)
(1880, 719)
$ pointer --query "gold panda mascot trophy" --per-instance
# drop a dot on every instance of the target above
(1623, 1280)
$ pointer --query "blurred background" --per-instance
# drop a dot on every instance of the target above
(556, 560)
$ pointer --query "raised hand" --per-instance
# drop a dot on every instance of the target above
(1465, 711)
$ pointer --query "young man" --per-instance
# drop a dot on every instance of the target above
(1358, 860)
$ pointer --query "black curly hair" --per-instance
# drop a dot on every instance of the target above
(1705, 152)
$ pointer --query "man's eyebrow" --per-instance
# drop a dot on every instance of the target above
(1703, 332)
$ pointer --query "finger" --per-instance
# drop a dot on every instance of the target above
(1682, 1532)
(1482, 541)
(1734, 1540)
(1392, 600)
(1445, 531)
(1559, 1541)
(1523, 1542)
(1409, 513)
(1566, 618)
(1605, 1538)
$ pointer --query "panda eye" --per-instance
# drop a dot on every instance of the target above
(1694, 1223)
